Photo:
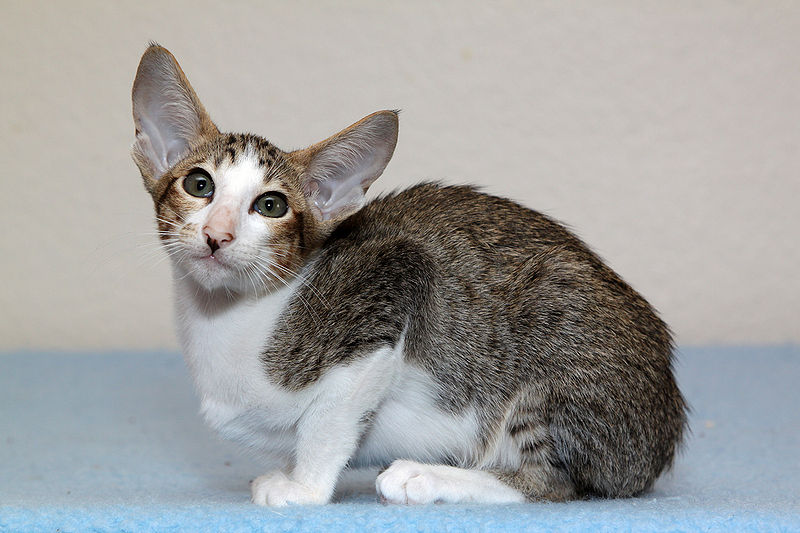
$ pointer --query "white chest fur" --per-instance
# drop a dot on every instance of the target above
(222, 343)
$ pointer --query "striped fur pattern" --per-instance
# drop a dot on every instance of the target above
(473, 348)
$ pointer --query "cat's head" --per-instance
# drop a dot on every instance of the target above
(233, 211)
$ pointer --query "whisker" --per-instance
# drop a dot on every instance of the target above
(250, 276)
(303, 279)
(159, 233)
(305, 302)
(172, 223)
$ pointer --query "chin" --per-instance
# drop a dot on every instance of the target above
(209, 274)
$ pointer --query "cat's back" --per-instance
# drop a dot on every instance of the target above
(491, 276)
(453, 262)
(429, 260)
(460, 228)
(457, 214)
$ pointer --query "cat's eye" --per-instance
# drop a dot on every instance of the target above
(198, 183)
(271, 204)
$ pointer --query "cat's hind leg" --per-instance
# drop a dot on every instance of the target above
(409, 482)
(519, 464)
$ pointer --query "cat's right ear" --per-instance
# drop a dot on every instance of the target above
(168, 116)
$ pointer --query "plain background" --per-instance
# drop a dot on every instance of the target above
(666, 134)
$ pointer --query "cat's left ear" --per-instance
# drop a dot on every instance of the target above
(339, 170)
(168, 116)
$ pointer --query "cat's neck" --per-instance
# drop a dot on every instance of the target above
(191, 294)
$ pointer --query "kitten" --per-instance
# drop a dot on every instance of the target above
(475, 349)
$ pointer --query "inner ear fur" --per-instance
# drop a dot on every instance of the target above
(168, 116)
(337, 172)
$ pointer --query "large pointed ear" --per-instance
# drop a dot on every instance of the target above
(169, 117)
(339, 170)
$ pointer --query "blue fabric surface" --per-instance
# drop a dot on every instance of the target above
(112, 442)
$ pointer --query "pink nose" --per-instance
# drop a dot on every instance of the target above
(217, 239)
(219, 228)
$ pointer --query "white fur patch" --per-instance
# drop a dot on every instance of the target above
(409, 424)
(222, 348)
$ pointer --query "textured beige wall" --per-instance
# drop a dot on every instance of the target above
(667, 134)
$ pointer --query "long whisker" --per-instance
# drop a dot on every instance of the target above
(187, 274)
(266, 268)
(251, 276)
(298, 277)
(303, 279)
(168, 233)
(152, 251)
(180, 217)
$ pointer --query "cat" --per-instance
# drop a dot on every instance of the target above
(474, 349)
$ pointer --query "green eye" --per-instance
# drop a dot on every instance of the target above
(271, 204)
(198, 183)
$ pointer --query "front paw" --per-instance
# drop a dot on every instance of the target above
(277, 489)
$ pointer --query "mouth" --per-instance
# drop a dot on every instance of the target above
(209, 270)
(212, 261)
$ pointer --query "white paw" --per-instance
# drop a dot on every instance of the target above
(277, 489)
(407, 482)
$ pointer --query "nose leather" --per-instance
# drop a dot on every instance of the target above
(219, 229)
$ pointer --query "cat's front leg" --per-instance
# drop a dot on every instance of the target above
(329, 431)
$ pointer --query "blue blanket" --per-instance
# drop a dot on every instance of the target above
(112, 442)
